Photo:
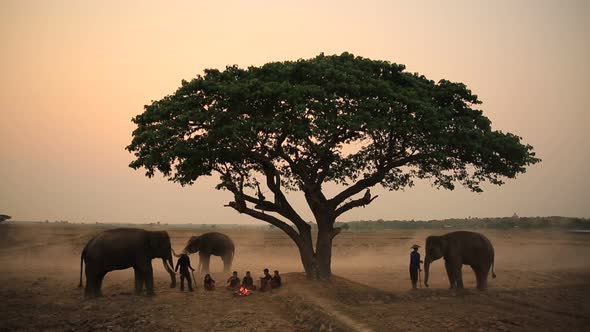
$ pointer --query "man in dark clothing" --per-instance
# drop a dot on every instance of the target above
(265, 281)
(208, 282)
(415, 265)
(184, 263)
(275, 281)
(248, 282)
(233, 282)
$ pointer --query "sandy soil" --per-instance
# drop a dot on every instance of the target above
(543, 284)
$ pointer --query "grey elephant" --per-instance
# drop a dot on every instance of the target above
(122, 248)
(208, 244)
(458, 249)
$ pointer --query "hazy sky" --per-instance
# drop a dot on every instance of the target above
(74, 73)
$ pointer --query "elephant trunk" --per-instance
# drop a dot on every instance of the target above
(168, 265)
(426, 270)
(174, 253)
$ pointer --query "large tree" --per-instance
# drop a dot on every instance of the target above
(297, 125)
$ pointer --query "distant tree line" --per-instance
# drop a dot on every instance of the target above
(470, 223)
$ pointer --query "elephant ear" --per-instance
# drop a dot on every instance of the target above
(193, 244)
(157, 242)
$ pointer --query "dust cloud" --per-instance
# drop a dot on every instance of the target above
(544, 271)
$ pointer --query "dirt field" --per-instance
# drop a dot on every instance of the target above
(543, 284)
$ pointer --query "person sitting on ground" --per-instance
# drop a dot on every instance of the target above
(275, 281)
(209, 283)
(233, 282)
(265, 281)
(248, 282)
(184, 263)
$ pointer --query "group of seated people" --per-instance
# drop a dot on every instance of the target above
(267, 282)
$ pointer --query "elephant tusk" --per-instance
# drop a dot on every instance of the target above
(167, 266)
(170, 267)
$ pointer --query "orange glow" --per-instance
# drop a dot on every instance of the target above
(75, 72)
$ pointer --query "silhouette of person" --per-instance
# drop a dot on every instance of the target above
(415, 265)
(265, 281)
(208, 282)
(233, 282)
(184, 263)
(275, 281)
(248, 282)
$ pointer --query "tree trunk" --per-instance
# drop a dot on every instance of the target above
(308, 258)
(324, 253)
(317, 264)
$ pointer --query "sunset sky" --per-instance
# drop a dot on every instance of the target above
(74, 73)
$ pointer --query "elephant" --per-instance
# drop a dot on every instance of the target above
(460, 248)
(208, 244)
(122, 248)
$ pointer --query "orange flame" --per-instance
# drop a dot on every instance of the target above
(243, 291)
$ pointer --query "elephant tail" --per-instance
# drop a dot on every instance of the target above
(493, 273)
(82, 256)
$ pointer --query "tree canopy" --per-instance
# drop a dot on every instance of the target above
(296, 125)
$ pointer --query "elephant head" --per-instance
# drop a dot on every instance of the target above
(436, 247)
(193, 245)
(160, 247)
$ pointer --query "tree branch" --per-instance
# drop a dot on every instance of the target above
(242, 208)
(261, 204)
(273, 182)
(371, 180)
(336, 231)
(366, 200)
(358, 187)
(322, 167)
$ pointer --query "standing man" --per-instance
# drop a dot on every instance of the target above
(184, 263)
(415, 265)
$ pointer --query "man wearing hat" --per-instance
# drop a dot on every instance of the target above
(415, 265)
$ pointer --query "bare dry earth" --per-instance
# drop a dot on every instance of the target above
(543, 284)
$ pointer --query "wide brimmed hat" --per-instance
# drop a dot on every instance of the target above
(415, 246)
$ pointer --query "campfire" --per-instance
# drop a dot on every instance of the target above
(243, 291)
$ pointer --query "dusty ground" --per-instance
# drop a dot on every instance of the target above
(543, 284)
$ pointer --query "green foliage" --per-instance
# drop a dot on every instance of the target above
(474, 223)
(335, 118)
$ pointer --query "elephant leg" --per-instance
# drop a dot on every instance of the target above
(204, 259)
(477, 271)
(227, 260)
(149, 280)
(483, 285)
(459, 276)
(450, 274)
(138, 280)
(99, 283)
(91, 277)
(201, 259)
(147, 276)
